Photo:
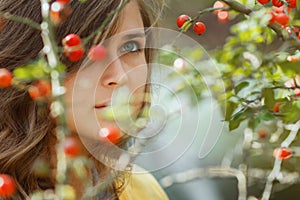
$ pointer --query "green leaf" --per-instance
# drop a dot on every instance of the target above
(268, 95)
(22, 74)
(236, 119)
(230, 108)
(290, 66)
(266, 116)
(241, 86)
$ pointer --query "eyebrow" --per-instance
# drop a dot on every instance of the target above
(134, 35)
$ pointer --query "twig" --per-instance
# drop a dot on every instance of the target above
(234, 5)
(19, 19)
(196, 173)
(277, 164)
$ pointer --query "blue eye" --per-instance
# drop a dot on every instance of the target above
(130, 46)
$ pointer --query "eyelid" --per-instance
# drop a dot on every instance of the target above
(136, 42)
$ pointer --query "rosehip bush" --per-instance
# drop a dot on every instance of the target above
(258, 87)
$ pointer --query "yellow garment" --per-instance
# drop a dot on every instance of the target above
(142, 186)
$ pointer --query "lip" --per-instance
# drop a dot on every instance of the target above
(102, 105)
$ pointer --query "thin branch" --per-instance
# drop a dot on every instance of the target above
(99, 31)
(234, 5)
(21, 20)
(294, 128)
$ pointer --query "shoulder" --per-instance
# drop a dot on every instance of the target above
(142, 185)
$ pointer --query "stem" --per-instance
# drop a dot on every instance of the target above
(192, 174)
(209, 10)
(99, 31)
(294, 128)
(234, 5)
(57, 89)
(22, 20)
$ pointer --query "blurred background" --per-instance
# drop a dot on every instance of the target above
(207, 119)
(207, 113)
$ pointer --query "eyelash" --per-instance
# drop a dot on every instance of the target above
(136, 48)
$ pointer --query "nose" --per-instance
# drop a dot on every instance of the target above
(115, 75)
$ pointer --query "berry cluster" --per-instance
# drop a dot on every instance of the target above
(279, 3)
(199, 27)
(222, 15)
(72, 47)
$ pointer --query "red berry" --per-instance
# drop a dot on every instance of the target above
(277, 3)
(273, 18)
(262, 133)
(44, 87)
(263, 1)
(282, 19)
(41, 88)
(34, 92)
(111, 134)
(218, 4)
(7, 186)
(282, 153)
(276, 107)
(75, 55)
(72, 147)
(182, 19)
(292, 3)
(297, 92)
(223, 16)
(97, 53)
(63, 1)
(71, 40)
(59, 12)
(5, 78)
(199, 28)
(278, 9)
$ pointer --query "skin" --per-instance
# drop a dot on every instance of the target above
(91, 90)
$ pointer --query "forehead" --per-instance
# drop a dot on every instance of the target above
(130, 18)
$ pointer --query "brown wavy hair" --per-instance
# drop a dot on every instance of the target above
(26, 131)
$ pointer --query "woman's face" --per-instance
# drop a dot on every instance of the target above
(91, 91)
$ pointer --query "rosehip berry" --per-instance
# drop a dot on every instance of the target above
(59, 12)
(72, 147)
(199, 28)
(44, 87)
(278, 9)
(282, 153)
(5, 78)
(262, 133)
(292, 3)
(71, 40)
(34, 92)
(75, 55)
(218, 4)
(263, 1)
(111, 134)
(292, 59)
(63, 1)
(282, 19)
(277, 3)
(273, 18)
(276, 107)
(7, 186)
(97, 53)
(297, 92)
(223, 16)
(182, 19)
(41, 88)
